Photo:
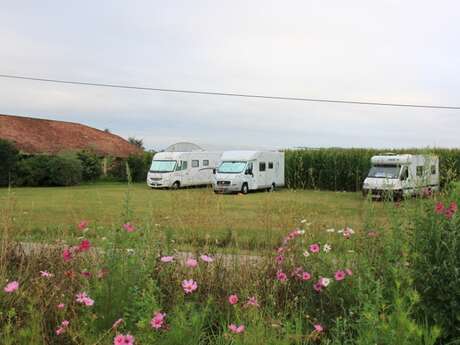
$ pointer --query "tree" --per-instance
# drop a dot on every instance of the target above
(9, 156)
(137, 142)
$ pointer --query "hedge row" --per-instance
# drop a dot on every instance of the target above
(345, 169)
(66, 169)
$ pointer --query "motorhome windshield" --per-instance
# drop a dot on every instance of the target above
(231, 167)
(384, 171)
(162, 166)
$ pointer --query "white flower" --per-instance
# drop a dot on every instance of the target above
(327, 248)
(303, 221)
(306, 253)
(330, 230)
(325, 281)
(130, 251)
(301, 232)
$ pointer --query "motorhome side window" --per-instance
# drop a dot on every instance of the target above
(420, 170)
(195, 163)
(262, 166)
(205, 163)
(433, 170)
(270, 165)
(183, 165)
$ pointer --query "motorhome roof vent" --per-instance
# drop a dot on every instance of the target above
(183, 147)
(388, 154)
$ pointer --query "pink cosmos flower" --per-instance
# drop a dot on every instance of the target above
(340, 275)
(83, 298)
(46, 274)
(83, 225)
(233, 299)
(117, 323)
(439, 208)
(236, 329)
(314, 248)
(448, 213)
(11, 286)
(129, 227)
(280, 250)
(158, 320)
(67, 254)
(279, 259)
(167, 259)
(61, 306)
(86, 274)
(119, 339)
(347, 232)
(206, 258)
(129, 339)
(252, 302)
(318, 287)
(84, 246)
(191, 262)
(281, 276)
(62, 328)
(349, 271)
(306, 276)
(189, 286)
(318, 328)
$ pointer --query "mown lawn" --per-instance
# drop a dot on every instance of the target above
(194, 216)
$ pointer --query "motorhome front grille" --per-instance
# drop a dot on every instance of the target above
(223, 183)
(155, 179)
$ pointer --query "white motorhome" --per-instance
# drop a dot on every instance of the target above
(243, 171)
(402, 175)
(182, 169)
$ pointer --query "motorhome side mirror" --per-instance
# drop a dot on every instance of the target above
(248, 172)
(214, 171)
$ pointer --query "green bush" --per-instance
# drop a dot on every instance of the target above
(33, 171)
(44, 170)
(138, 166)
(64, 170)
(91, 165)
(436, 261)
(9, 156)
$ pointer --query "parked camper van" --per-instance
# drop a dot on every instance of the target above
(242, 171)
(402, 175)
(181, 169)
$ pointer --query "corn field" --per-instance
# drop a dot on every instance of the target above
(341, 169)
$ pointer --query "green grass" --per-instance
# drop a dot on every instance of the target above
(196, 215)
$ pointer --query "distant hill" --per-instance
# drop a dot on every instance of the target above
(33, 136)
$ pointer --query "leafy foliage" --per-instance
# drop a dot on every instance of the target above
(436, 257)
(9, 156)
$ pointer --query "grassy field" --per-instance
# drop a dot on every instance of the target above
(194, 216)
(317, 287)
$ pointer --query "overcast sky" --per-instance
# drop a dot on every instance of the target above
(382, 51)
